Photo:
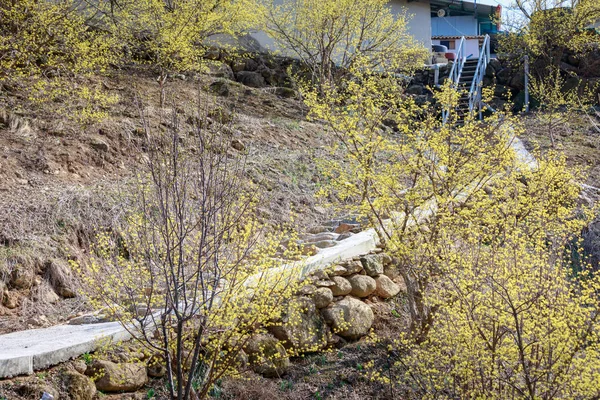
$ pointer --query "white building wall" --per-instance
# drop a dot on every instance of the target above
(419, 13)
(419, 24)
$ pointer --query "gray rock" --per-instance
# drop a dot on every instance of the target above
(324, 244)
(385, 288)
(391, 271)
(336, 270)
(319, 229)
(344, 236)
(267, 356)
(251, 79)
(322, 297)
(285, 92)
(324, 283)
(415, 89)
(362, 285)
(342, 286)
(99, 144)
(350, 318)
(353, 267)
(372, 264)
(220, 70)
(123, 377)
(238, 145)
(220, 88)
(323, 236)
(307, 289)
(79, 387)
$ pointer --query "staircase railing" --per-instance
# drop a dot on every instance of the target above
(476, 90)
(456, 71)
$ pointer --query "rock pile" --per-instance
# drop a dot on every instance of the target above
(332, 306)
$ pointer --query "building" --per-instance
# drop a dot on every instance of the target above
(440, 22)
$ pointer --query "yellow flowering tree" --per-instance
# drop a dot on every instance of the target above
(171, 35)
(560, 105)
(405, 170)
(187, 273)
(330, 36)
(43, 46)
(479, 234)
(512, 319)
(546, 29)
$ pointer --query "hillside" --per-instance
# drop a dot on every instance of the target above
(59, 180)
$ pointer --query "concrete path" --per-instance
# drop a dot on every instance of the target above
(26, 351)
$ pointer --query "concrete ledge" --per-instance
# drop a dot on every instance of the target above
(26, 351)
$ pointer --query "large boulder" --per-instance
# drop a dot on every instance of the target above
(302, 328)
(112, 377)
(372, 264)
(252, 79)
(342, 287)
(267, 356)
(79, 387)
(362, 285)
(386, 288)
(350, 318)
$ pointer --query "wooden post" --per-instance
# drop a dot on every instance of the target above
(526, 66)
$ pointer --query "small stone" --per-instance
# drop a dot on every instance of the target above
(391, 271)
(99, 144)
(220, 88)
(322, 297)
(319, 229)
(372, 264)
(353, 267)
(307, 290)
(309, 250)
(79, 386)
(79, 366)
(38, 320)
(336, 270)
(323, 236)
(45, 294)
(10, 300)
(251, 79)
(238, 145)
(319, 274)
(362, 285)
(324, 283)
(324, 244)
(385, 287)
(344, 236)
(344, 227)
(342, 286)
(386, 259)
